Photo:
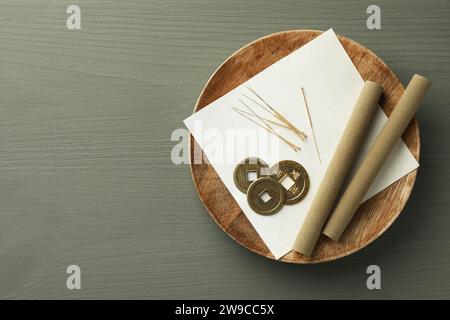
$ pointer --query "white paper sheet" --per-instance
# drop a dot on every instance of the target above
(332, 85)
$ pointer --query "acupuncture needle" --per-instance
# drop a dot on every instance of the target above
(310, 123)
(275, 113)
(257, 103)
(290, 144)
(295, 147)
(268, 120)
(300, 133)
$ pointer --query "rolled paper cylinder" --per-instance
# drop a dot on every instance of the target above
(376, 156)
(338, 168)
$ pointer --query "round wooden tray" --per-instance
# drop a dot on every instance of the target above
(372, 218)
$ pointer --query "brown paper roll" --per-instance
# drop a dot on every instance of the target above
(376, 156)
(338, 168)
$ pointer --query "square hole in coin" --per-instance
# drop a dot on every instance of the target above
(252, 176)
(287, 182)
(265, 196)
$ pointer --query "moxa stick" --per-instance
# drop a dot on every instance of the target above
(339, 166)
(376, 156)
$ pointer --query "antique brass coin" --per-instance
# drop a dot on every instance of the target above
(265, 196)
(248, 171)
(294, 179)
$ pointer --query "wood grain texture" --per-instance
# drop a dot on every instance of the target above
(85, 151)
(372, 218)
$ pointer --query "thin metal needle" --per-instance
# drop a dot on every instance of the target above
(255, 114)
(268, 120)
(278, 115)
(255, 122)
(269, 129)
(258, 104)
(293, 146)
(310, 123)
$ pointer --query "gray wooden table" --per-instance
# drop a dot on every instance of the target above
(86, 176)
